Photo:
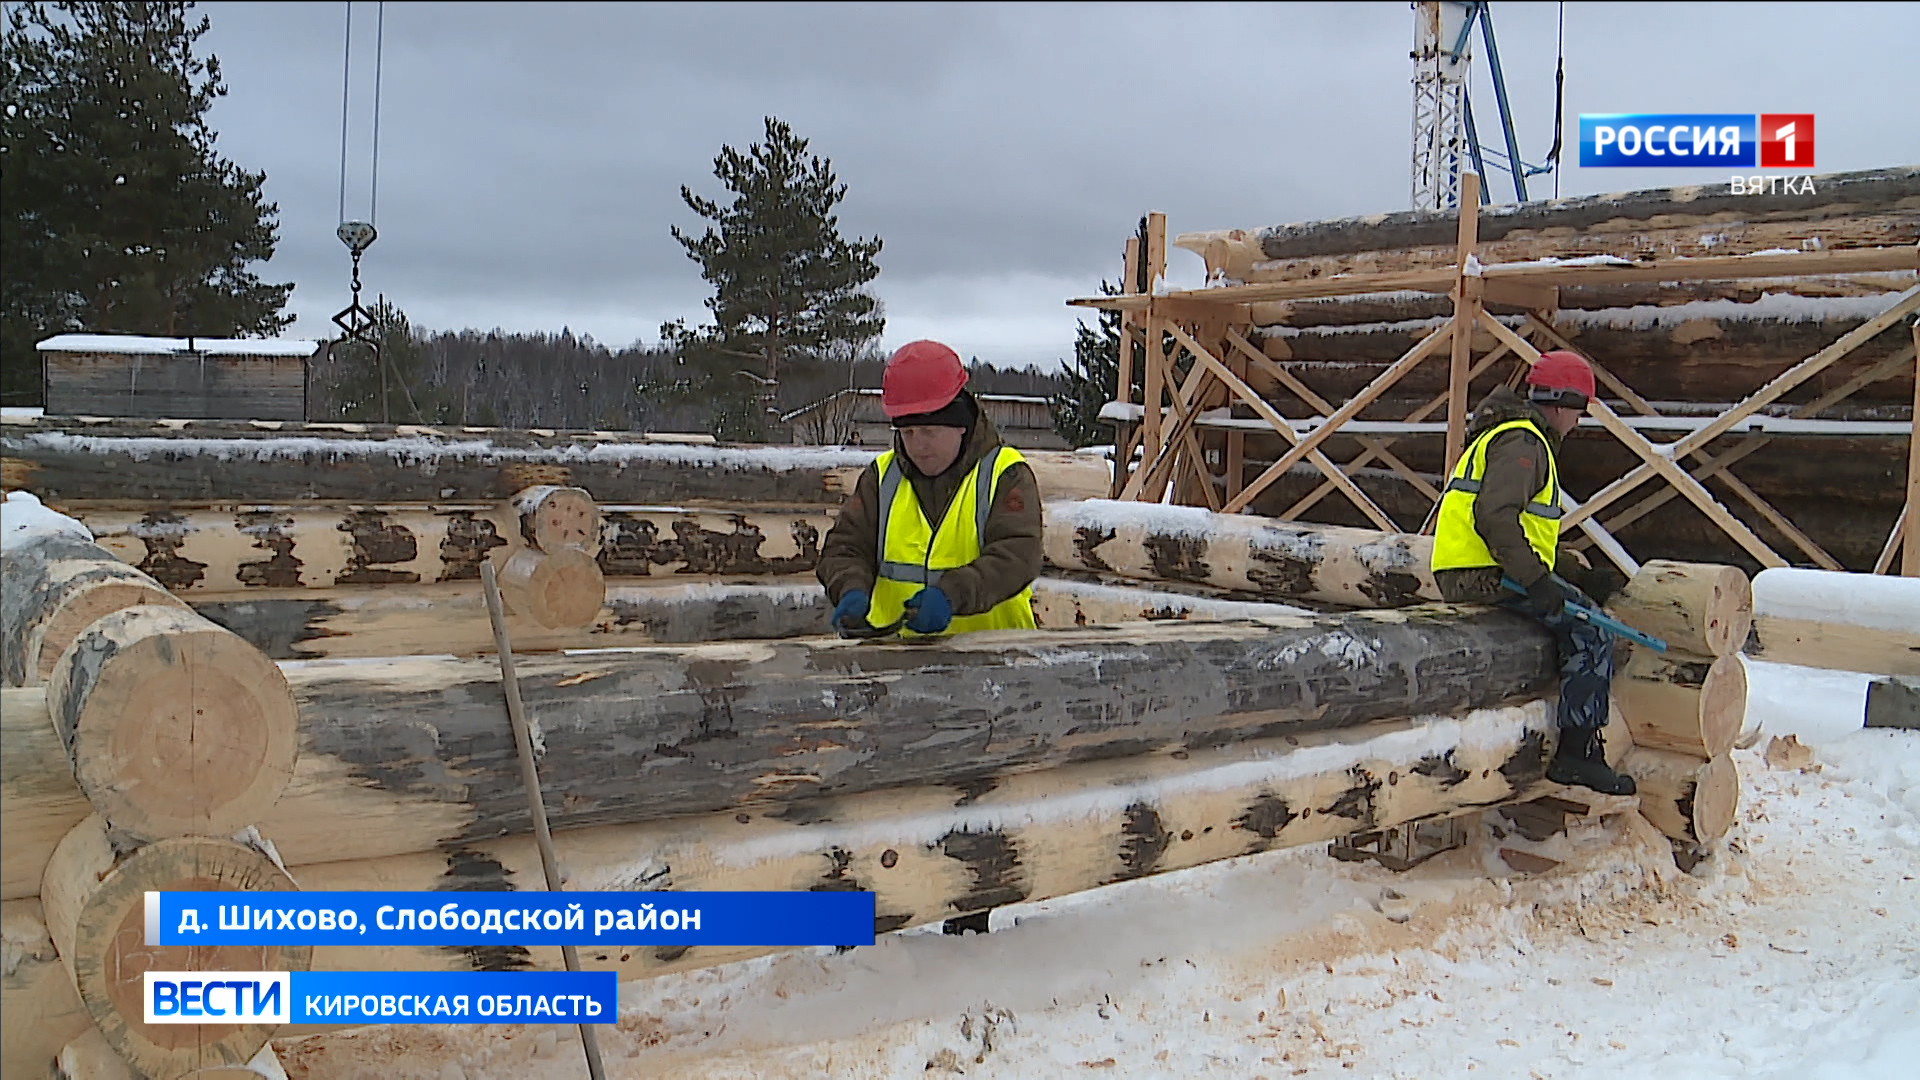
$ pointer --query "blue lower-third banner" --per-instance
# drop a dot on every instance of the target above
(381, 997)
(464, 919)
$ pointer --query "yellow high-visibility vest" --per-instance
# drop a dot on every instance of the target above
(914, 554)
(1457, 544)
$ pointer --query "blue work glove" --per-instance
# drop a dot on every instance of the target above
(928, 611)
(851, 611)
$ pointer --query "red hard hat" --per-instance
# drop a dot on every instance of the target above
(921, 377)
(1560, 371)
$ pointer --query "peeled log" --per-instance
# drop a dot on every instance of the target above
(560, 588)
(95, 910)
(553, 517)
(39, 802)
(1847, 622)
(174, 726)
(1276, 560)
(1687, 704)
(410, 754)
(39, 1010)
(1698, 608)
(932, 852)
(1688, 799)
(53, 588)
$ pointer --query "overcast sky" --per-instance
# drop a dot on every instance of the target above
(531, 155)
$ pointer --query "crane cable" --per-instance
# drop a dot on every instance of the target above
(1559, 96)
(346, 89)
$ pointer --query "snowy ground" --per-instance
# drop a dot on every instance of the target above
(1793, 953)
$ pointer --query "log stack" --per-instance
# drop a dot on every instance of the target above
(1684, 707)
(166, 734)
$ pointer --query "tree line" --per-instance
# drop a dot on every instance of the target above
(118, 214)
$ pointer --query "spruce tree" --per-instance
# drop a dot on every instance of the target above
(1093, 379)
(787, 286)
(117, 213)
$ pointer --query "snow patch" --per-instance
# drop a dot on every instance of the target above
(25, 520)
(137, 345)
(1873, 601)
(1771, 307)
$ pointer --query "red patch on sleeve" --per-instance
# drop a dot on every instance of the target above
(1013, 502)
(1526, 462)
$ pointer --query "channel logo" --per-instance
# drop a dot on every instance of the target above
(218, 997)
(1694, 140)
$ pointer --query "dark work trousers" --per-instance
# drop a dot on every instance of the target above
(1586, 665)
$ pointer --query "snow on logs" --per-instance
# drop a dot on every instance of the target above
(935, 851)
(55, 584)
(94, 899)
(1846, 622)
(1274, 560)
(410, 754)
(173, 725)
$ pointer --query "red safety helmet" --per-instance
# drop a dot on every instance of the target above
(1561, 378)
(921, 377)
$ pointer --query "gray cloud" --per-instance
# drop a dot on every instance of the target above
(532, 154)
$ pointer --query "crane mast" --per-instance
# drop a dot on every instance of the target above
(1442, 53)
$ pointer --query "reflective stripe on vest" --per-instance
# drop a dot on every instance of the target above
(914, 555)
(1457, 543)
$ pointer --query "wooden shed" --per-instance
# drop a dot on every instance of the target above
(176, 378)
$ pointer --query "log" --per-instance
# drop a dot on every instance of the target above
(39, 802)
(1703, 609)
(1678, 702)
(1269, 559)
(554, 517)
(1690, 800)
(558, 589)
(1848, 209)
(224, 462)
(410, 754)
(54, 586)
(450, 619)
(1845, 622)
(95, 909)
(246, 549)
(39, 1009)
(933, 852)
(174, 726)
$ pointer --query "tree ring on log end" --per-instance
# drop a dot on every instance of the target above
(175, 726)
(96, 910)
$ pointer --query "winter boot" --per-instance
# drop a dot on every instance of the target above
(1581, 761)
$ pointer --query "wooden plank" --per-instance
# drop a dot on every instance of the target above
(1884, 563)
(1655, 460)
(1346, 412)
(1129, 278)
(176, 386)
(1467, 291)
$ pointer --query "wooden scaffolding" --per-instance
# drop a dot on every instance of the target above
(1183, 443)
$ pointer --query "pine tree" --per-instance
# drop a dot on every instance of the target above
(1093, 378)
(119, 214)
(787, 285)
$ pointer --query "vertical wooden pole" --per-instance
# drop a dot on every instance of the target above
(1123, 433)
(1466, 310)
(1156, 255)
(1910, 561)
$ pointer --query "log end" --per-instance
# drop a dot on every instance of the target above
(85, 607)
(175, 726)
(1723, 705)
(557, 589)
(1716, 798)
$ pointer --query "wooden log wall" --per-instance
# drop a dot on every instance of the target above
(223, 463)
(937, 851)
(1873, 208)
(411, 754)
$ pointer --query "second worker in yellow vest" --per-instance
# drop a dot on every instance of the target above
(942, 531)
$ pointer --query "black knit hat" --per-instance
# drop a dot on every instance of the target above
(961, 412)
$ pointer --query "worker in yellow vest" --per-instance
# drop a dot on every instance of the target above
(1500, 516)
(943, 530)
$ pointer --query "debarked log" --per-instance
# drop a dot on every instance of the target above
(1690, 800)
(933, 852)
(95, 901)
(54, 586)
(173, 726)
(1700, 608)
(229, 462)
(411, 754)
(413, 620)
(559, 589)
(1846, 622)
(1274, 560)
(1690, 705)
(39, 1009)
